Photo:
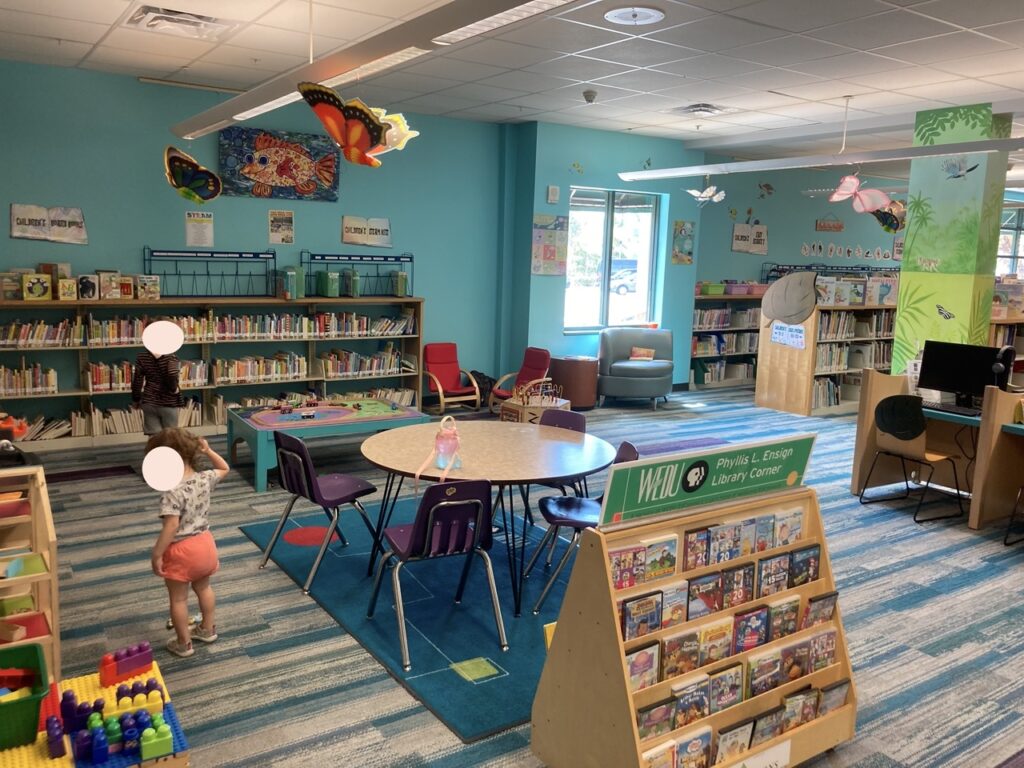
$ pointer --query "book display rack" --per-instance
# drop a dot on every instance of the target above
(763, 669)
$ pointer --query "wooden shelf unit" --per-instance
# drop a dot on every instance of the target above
(409, 345)
(1009, 331)
(585, 714)
(33, 537)
(739, 330)
(806, 381)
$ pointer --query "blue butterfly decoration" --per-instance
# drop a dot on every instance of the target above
(193, 182)
(956, 167)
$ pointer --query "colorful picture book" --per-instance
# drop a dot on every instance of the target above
(643, 666)
(641, 615)
(693, 749)
(832, 697)
(804, 565)
(750, 629)
(748, 537)
(796, 661)
(655, 720)
(819, 609)
(772, 575)
(733, 741)
(675, 597)
(716, 640)
(726, 542)
(680, 654)
(801, 707)
(782, 617)
(661, 756)
(660, 556)
(763, 672)
(147, 286)
(737, 585)
(627, 566)
(695, 548)
(726, 688)
(764, 533)
(768, 725)
(823, 650)
(693, 699)
(705, 595)
(788, 527)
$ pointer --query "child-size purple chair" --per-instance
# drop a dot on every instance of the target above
(299, 477)
(453, 519)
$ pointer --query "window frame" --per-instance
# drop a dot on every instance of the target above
(1015, 229)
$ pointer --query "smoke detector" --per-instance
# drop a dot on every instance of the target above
(701, 109)
(167, 21)
(634, 16)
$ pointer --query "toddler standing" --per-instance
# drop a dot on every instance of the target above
(185, 553)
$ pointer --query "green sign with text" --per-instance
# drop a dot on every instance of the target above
(680, 481)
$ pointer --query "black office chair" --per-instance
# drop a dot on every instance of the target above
(900, 432)
(1009, 528)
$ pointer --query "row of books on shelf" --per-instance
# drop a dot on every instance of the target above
(1005, 336)
(320, 325)
(712, 371)
(685, 600)
(834, 326)
(128, 330)
(27, 380)
(278, 367)
(826, 392)
(114, 377)
(870, 354)
(724, 318)
(55, 281)
(851, 291)
(699, 747)
(339, 363)
(37, 333)
(831, 357)
(656, 557)
(725, 344)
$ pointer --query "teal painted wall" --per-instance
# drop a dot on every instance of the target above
(602, 155)
(790, 217)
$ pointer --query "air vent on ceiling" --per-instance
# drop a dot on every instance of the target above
(635, 16)
(170, 22)
(701, 110)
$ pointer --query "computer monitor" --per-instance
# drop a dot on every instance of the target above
(964, 369)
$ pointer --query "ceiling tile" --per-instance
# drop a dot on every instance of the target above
(396, 9)
(545, 102)
(480, 93)
(905, 77)
(564, 118)
(283, 41)
(560, 35)
(973, 91)
(453, 69)
(847, 65)
(578, 68)
(718, 6)
(640, 52)
(209, 73)
(38, 58)
(817, 110)
(20, 23)
(332, 22)
(499, 111)
(526, 82)
(703, 90)
(500, 53)
(945, 47)
(134, 61)
(409, 81)
(828, 89)
(234, 10)
(648, 102)
(987, 64)
(154, 42)
(761, 120)
(716, 33)
(871, 101)
(642, 80)
(783, 51)
(440, 102)
(237, 56)
(129, 70)
(605, 93)
(974, 14)
(758, 100)
(374, 95)
(1010, 80)
(99, 11)
(709, 65)
(675, 13)
(769, 79)
(29, 44)
(902, 109)
(881, 29)
(654, 118)
(1011, 32)
(800, 15)
(599, 110)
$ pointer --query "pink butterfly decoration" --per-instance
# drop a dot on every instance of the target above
(864, 200)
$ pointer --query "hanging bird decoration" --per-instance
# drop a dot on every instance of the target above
(956, 167)
(864, 200)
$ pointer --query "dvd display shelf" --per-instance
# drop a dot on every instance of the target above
(724, 341)
(30, 598)
(817, 369)
(586, 712)
(74, 336)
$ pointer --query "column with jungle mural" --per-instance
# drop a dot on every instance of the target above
(953, 209)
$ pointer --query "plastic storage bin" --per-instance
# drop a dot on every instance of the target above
(713, 289)
(757, 289)
(737, 289)
(19, 719)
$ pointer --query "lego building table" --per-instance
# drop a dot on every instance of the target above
(256, 426)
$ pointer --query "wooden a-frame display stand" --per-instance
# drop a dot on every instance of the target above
(584, 713)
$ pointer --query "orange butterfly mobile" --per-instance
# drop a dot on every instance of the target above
(360, 131)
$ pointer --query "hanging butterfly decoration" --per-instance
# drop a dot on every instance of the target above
(710, 193)
(765, 190)
(956, 167)
(193, 182)
(864, 200)
(360, 131)
(944, 313)
(893, 217)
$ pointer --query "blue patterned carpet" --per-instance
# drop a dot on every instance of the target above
(934, 618)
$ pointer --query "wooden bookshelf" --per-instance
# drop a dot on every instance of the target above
(732, 332)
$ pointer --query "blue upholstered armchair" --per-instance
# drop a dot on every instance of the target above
(620, 376)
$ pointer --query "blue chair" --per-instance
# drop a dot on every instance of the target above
(330, 492)
(453, 519)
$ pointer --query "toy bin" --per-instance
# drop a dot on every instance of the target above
(757, 289)
(19, 719)
(713, 289)
(736, 289)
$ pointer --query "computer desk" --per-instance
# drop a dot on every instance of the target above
(991, 448)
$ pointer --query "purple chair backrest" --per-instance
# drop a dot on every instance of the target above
(627, 452)
(295, 468)
(535, 365)
(448, 511)
(551, 417)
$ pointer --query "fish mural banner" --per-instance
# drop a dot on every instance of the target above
(278, 164)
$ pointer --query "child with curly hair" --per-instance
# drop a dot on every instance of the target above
(185, 554)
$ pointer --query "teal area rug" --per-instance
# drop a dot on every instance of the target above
(459, 671)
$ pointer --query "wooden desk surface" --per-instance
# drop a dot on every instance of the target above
(505, 453)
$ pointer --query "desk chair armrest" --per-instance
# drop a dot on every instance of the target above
(503, 379)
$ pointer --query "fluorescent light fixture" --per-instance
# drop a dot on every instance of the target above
(819, 161)
(371, 56)
(511, 16)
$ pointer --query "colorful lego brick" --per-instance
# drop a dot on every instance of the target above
(55, 745)
(125, 663)
(36, 755)
(6, 694)
(157, 743)
(15, 677)
(88, 687)
(75, 715)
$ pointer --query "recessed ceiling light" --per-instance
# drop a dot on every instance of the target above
(634, 16)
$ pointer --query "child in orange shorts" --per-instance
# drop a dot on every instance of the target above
(185, 553)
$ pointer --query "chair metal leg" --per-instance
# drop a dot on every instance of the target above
(377, 580)
(323, 550)
(654, 403)
(573, 543)
(552, 546)
(927, 485)
(1013, 514)
(494, 600)
(463, 578)
(867, 480)
(277, 531)
(536, 553)
(396, 585)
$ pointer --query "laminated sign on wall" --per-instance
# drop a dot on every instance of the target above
(750, 238)
(741, 238)
(356, 230)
